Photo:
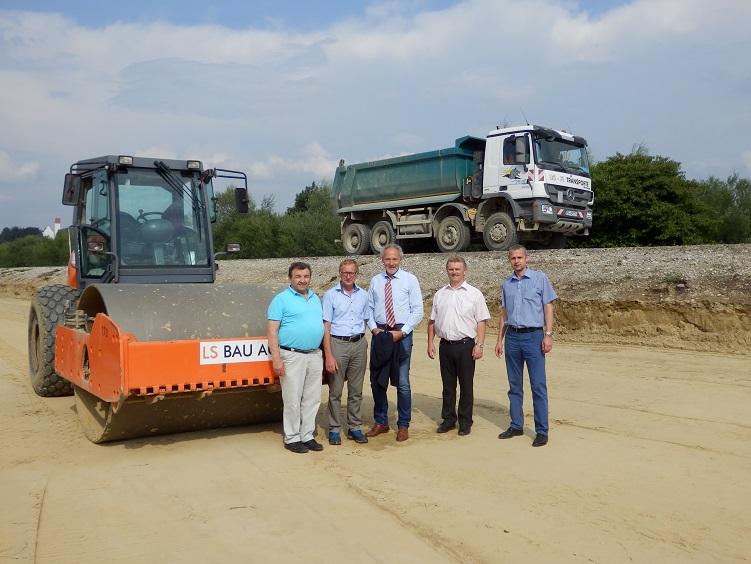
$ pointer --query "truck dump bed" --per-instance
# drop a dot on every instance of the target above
(408, 180)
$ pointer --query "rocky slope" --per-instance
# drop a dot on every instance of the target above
(696, 297)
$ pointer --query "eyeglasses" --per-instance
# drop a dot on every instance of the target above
(344, 273)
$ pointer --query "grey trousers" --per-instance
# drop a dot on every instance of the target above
(352, 359)
(301, 394)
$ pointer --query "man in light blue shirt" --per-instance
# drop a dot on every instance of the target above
(346, 350)
(400, 321)
(527, 324)
(295, 330)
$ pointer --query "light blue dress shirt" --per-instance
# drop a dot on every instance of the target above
(524, 298)
(347, 314)
(406, 296)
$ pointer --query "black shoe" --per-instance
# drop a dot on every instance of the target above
(464, 431)
(511, 432)
(297, 447)
(357, 436)
(312, 444)
(540, 440)
(445, 427)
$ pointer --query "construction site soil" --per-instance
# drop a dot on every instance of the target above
(691, 298)
(648, 459)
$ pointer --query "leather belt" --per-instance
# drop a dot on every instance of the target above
(523, 329)
(351, 339)
(297, 350)
(385, 327)
(463, 341)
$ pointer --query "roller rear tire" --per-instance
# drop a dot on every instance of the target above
(46, 313)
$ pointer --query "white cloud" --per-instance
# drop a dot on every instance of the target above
(313, 161)
(746, 160)
(285, 107)
(11, 170)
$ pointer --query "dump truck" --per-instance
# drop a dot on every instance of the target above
(527, 184)
(141, 334)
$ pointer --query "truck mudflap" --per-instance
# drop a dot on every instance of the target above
(132, 380)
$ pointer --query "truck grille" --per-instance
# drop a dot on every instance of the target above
(571, 197)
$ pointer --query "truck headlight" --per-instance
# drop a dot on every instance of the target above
(546, 208)
(589, 214)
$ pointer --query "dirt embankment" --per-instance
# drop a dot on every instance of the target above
(693, 298)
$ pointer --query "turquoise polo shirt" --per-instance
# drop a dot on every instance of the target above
(301, 320)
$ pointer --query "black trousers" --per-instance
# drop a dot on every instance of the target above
(457, 365)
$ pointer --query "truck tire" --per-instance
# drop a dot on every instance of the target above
(453, 235)
(500, 232)
(356, 239)
(382, 235)
(555, 241)
(46, 313)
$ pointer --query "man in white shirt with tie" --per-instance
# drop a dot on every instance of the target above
(394, 305)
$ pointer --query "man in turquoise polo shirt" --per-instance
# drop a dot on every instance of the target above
(295, 333)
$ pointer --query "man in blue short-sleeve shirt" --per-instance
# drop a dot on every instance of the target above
(344, 317)
(527, 325)
(295, 330)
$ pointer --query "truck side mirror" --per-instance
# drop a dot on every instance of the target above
(72, 189)
(241, 200)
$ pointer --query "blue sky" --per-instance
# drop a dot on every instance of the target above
(283, 90)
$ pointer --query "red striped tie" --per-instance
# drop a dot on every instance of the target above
(390, 319)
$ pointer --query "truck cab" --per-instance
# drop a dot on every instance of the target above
(544, 175)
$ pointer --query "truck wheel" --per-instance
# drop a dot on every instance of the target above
(356, 239)
(382, 235)
(453, 235)
(500, 232)
(46, 313)
(555, 241)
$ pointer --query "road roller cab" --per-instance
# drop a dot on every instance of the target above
(143, 220)
(141, 320)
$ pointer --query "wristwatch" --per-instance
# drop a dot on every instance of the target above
(480, 345)
(548, 333)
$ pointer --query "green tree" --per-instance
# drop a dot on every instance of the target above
(9, 234)
(311, 226)
(35, 250)
(730, 205)
(256, 231)
(642, 200)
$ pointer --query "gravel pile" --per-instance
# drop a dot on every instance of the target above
(696, 272)
(652, 274)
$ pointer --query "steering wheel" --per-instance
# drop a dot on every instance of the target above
(142, 215)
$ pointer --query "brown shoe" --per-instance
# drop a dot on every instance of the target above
(402, 434)
(377, 430)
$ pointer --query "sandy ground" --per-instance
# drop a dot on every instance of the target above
(649, 460)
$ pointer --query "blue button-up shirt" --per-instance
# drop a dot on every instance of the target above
(406, 296)
(523, 298)
(347, 314)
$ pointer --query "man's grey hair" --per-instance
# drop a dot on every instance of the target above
(392, 246)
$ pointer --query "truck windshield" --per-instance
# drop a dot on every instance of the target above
(559, 154)
(157, 223)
